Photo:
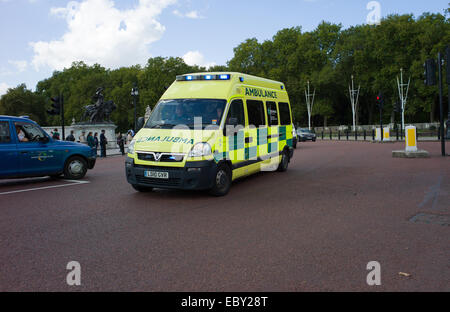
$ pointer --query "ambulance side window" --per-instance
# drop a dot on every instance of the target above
(255, 110)
(272, 114)
(5, 136)
(235, 118)
(285, 115)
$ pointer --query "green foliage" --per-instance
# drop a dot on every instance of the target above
(327, 57)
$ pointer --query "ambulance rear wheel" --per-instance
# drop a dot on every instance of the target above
(222, 181)
(284, 163)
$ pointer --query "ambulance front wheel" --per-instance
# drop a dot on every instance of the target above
(222, 181)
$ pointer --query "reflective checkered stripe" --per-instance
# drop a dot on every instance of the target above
(285, 137)
(260, 142)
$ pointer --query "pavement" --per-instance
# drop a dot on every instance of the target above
(315, 227)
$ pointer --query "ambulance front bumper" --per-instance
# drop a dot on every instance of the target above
(196, 175)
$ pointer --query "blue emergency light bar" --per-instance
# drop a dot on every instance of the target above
(203, 77)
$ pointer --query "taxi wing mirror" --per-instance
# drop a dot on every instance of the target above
(44, 139)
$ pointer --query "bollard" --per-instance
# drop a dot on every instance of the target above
(411, 139)
(378, 136)
(373, 135)
(386, 134)
(339, 135)
(439, 133)
(346, 134)
(364, 134)
(356, 135)
(331, 135)
(322, 135)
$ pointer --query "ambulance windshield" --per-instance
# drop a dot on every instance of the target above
(192, 113)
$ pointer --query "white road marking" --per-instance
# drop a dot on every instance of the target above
(73, 182)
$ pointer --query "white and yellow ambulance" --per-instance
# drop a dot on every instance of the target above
(209, 129)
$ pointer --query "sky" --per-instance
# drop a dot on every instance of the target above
(40, 36)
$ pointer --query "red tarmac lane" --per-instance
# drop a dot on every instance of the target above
(314, 228)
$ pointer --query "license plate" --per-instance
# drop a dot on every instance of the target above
(156, 174)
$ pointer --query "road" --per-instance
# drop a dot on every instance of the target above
(314, 228)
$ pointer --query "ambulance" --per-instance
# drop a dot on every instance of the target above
(209, 129)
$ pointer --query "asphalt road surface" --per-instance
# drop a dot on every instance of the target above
(316, 227)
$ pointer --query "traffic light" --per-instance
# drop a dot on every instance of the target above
(380, 100)
(398, 107)
(430, 72)
(56, 106)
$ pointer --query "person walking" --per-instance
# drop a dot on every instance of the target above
(103, 142)
(82, 137)
(70, 137)
(90, 140)
(55, 134)
(129, 137)
(121, 143)
(96, 142)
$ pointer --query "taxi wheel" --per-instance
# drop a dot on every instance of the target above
(284, 163)
(141, 188)
(222, 181)
(75, 168)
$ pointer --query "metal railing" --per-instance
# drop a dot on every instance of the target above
(365, 135)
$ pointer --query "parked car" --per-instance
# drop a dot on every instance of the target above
(26, 150)
(306, 135)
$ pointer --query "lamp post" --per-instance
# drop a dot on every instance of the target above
(134, 93)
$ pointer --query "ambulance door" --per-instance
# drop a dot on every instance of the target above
(234, 140)
(254, 134)
(273, 132)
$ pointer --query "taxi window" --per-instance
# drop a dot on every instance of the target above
(28, 132)
(5, 136)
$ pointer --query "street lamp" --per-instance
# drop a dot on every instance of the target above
(134, 94)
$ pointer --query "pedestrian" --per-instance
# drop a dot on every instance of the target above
(55, 134)
(90, 140)
(82, 137)
(96, 142)
(121, 143)
(129, 137)
(103, 142)
(70, 137)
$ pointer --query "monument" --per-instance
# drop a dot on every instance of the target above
(97, 117)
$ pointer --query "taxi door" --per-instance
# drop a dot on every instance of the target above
(9, 162)
(36, 157)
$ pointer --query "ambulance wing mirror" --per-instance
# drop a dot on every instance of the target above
(140, 123)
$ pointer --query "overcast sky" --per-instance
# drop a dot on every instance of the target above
(40, 36)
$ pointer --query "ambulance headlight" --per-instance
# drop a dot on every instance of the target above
(131, 147)
(200, 149)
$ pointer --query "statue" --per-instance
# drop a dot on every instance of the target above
(101, 110)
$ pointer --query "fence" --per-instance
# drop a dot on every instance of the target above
(369, 135)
